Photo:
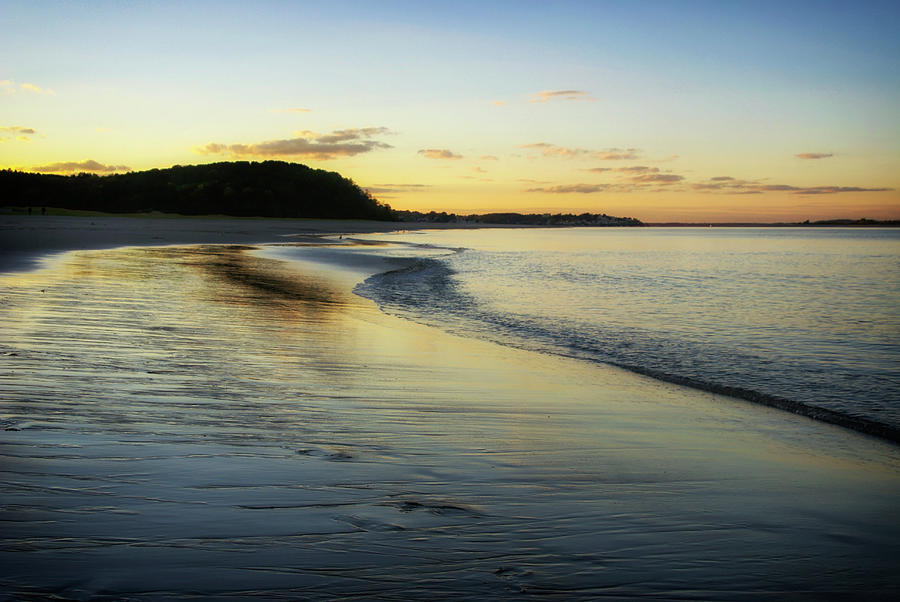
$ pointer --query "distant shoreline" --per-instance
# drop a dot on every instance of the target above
(415, 220)
(832, 223)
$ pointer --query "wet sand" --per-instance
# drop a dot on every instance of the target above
(24, 240)
(207, 421)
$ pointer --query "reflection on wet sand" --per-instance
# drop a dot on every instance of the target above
(203, 421)
(259, 282)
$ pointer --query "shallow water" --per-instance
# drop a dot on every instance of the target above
(210, 422)
(799, 314)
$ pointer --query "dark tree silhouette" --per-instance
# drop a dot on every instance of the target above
(522, 219)
(240, 188)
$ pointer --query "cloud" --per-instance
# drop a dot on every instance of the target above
(407, 185)
(657, 178)
(837, 189)
(571, 188)
(291, 110)
(616, 155)
(398, 187)
(17, 129)
(814, 155)
(8, 86)
(339, 143)
(628, 170)
(637, 169)
(16, 132)
(78, 166)
(213, 148)
(611, 154)
(349, 134)
(548, 95)
(439, 153)
(488, 158)
(551, 150)
(391, 189)
(499, 103)
(729, 185)
(36, 89)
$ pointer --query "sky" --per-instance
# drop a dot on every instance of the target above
(663, 111)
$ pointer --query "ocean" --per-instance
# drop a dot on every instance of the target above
(806, 319)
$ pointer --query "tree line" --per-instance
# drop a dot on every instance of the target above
(245, 189)
(521, 219)
(239, 188)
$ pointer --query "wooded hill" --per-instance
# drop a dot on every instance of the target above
(240, 188)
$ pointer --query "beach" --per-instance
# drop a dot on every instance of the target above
(24, 239)
(186, 414)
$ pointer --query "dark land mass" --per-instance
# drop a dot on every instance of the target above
(863, 222)
(521, 219)
(242, 189)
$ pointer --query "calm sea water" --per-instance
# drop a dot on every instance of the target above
(805, 315)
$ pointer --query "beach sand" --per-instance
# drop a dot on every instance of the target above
(207, 421)
(25, 239)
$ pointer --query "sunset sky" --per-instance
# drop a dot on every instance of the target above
(664, 111)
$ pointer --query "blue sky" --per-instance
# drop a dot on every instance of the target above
(795, 102)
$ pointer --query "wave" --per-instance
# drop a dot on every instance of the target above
(426, 291)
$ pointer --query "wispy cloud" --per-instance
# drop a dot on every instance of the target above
(488, 158)
(16, 132)
(628, 170)
(637, 169)
(36, 89)
(349, 134)
(611, 154)
(643, 178)
(8, 86)
(729, 185)
(616, 154)
(814, 155)
(389, 190)
(571, 188)
(657, 178)
(439, 153)
(837, 189)
(548, 95)
(499, 103)
(80, 166)
(396, 188)
(339, 143)
(291, 110)
(552, 150)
